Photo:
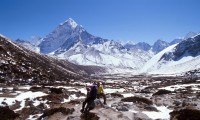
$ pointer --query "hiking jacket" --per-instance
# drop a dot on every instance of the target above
(100, 90)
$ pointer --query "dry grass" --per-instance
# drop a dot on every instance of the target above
(8, 95)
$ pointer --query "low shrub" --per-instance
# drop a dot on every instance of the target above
(56, 90)
(56, 98)
(161, 92)
(7, 114)
(35, 89)
(136, 99)
(116, 95)
(185, 114)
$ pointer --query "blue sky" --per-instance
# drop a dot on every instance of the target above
(122, 20)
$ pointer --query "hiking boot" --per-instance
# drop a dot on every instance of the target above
(82, 110)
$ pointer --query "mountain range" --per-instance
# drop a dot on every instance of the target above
(176, 59)
(70, 41)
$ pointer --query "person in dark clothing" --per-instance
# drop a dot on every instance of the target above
(91, 96)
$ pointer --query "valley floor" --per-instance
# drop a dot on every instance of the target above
(128, 98)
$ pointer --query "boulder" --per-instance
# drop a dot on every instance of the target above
(136, 99)
(177, 103)
(122, 108)
(140, 116)
(16, 105)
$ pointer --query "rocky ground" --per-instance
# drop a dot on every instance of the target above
(128, 98)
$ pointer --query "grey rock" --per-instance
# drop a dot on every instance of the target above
(140, 116)
(177, 103)
(122, 108)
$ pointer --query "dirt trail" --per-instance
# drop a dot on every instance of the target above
(103, 112)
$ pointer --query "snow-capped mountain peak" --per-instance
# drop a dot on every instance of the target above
(28, 45)
(195, 35)
(189, 35)
(62, 34)
(70, 22)
(159, 45)
(141, 45)
(177, 58)
(2, 36)
(66, 35)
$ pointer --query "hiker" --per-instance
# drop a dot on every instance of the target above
(89, 100)
(100, 92)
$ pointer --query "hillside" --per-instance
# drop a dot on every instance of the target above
(21, 65)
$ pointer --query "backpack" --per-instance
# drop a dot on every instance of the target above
(93, 92)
